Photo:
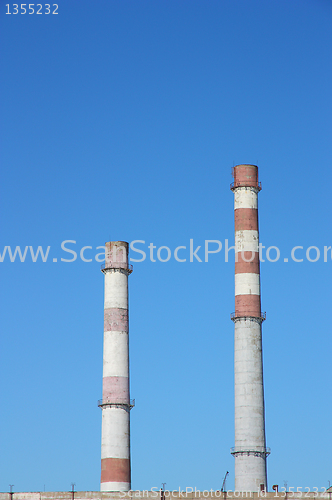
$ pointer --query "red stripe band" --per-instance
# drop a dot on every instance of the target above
(246, 218)
(247, 262)
(115, 470)
(246, 175)
(248, 305)
(116, 389)
(116, 319)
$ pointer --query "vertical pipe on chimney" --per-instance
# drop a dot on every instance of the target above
(116, 404)
(250, 450)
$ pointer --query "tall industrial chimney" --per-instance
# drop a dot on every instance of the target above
(250, 450)
(116, 403)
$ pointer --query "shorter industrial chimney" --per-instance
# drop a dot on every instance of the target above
(116, 403)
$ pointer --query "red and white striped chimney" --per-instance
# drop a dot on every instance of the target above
(116, 403)
(250, 450)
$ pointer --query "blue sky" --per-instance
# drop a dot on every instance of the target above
(121, 120)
